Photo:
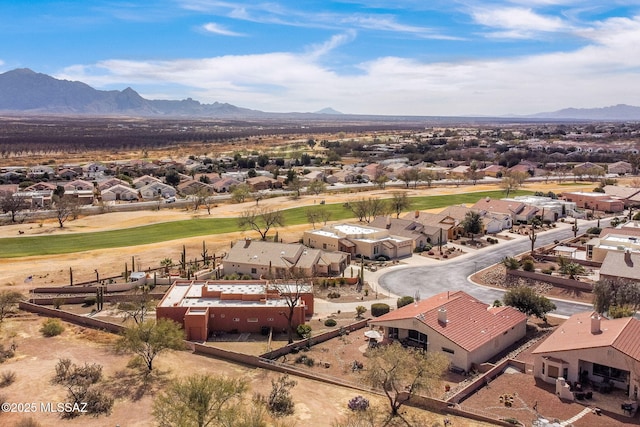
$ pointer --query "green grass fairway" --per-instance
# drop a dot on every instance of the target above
(60, 244)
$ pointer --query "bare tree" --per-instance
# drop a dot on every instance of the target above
(401, 373)
(291, 291)
(316, 187)
(12, 204)
(399, 202)
(64, 207)
(261, 220)
(368, 209)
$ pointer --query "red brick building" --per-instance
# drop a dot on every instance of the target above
(205, 307)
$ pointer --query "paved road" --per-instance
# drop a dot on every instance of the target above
(432, 279)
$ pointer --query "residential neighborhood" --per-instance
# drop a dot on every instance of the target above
(278, 288)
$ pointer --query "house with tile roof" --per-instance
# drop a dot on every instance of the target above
(621, 266)
(258, 259)
(468, 331)
(589, 347)
(519, 211)
(451, 226)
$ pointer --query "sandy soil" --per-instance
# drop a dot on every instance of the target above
(54, 270)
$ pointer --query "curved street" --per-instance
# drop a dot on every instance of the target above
(428, 280)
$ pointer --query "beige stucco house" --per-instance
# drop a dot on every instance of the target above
(468, 331)
(590, 348)
(358, 240)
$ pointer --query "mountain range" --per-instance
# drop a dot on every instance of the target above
(25, 91)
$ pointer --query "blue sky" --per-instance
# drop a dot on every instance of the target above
(413, 57)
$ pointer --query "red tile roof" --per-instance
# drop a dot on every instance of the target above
(470, 323)
(575, 333)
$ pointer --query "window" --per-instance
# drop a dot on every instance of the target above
(609, 372)
(543, 368)
(252, 320)
(236, 319)
(254, 271)
(417, 338)
(448, 350)
(269, 319)
(324, 246)
(393, 333)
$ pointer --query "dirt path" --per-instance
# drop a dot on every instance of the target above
(54, 269)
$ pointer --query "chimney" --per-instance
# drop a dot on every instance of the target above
(442, 315)
(388, 222)
(595, 324)
(247, 242)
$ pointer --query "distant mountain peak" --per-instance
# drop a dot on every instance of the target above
(327, 110)
(27, 91)
(613, 112)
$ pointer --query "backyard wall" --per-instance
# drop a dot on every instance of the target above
(72, 318)
(557, 281)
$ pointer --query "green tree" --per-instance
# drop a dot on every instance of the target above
(472, 223)
(572, 269)
(150, 338)
(360, 310)
(614, 293)
(526, 300)
(201, 400)
(240, 192)
(8, 302)
(401, 373)
(405, 300)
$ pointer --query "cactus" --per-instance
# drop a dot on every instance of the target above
(204, 253)
(532, 237)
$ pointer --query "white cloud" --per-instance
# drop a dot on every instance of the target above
(214, 28)
(599, 74)
(516, 22)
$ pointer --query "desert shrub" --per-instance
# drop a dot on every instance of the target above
(27, 422)
(552, 268)
(547, 271)
(358, 403)
(511, 263)
(304, 331)
(378, 309)
(51, 327)
(594, 230)
(330, 322)
(405, 300)
(333, 294)
(280, 402)
(57, 302)
(528, 265)
(430, 252)
(7, 378)
(89, 301)
(7, 354)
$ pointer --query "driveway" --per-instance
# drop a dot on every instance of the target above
(436, 277)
